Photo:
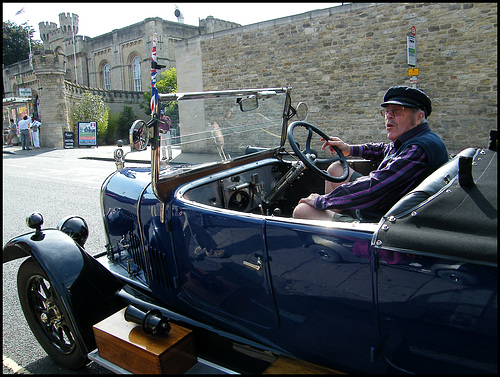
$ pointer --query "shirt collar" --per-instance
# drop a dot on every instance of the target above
(411, 133)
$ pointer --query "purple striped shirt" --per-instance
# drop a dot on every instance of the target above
(383, 187)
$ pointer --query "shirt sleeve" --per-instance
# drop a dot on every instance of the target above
(394, 178)
(370, 151)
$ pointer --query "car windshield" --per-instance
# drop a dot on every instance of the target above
(223, 124)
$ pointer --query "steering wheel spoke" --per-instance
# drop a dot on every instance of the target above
(310, 158)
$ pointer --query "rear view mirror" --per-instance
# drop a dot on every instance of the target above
(138, 136)
(302, 111)
(248, 104)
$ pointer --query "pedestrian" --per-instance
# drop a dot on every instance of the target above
(166, 140)
(35, 133)
(12, 132)
(413, 154)
(24, 131)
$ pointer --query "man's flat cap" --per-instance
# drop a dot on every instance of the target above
(409, 97)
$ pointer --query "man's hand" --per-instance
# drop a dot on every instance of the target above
(309, 200)
(336, 142)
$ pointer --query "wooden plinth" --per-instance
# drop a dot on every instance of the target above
(125, 344)
(288, 365)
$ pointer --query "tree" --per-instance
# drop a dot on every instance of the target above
(16, 45)
(92, 108)
(166, 82)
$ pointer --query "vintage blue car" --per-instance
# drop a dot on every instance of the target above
(213, 246)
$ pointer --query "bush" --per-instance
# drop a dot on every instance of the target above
(91, 108)
(110, 136)
(125, 120)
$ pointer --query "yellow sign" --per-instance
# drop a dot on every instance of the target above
(412, 71)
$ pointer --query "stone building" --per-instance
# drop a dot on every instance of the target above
(341, 60)
(120, 59)
(115, 65)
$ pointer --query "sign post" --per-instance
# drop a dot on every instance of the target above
(411, 43)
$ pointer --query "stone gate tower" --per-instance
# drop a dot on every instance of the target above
(49, 70)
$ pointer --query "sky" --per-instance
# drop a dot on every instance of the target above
(99, 18)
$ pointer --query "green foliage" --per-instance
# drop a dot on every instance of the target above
(172, 111)
(126, 119)
(113, 122)
(118, 126)
(15, 42)
(166, 82)
(102, 127)
(91, 108)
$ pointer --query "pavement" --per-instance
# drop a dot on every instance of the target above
(106, 153)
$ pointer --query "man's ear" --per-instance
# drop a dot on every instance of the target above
(420, 116)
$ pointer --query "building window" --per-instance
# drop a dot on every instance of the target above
(136, 68)
(107, 77)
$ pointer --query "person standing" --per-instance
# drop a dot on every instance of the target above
(12, 132)
(24, 131)
(35, 133)
(165, 124)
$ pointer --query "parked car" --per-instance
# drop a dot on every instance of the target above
(214, 245)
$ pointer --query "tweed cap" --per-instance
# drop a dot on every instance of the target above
(406, 96)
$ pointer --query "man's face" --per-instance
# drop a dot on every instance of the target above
(399, 119)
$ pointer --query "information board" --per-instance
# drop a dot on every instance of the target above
(87, 134)
(69, 139)
(411, 42)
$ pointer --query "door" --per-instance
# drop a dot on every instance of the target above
(222, 260)
(322, 282)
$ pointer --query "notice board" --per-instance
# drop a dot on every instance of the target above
(87, 134)
(69, 139)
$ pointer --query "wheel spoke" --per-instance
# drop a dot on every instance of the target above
(46, 290)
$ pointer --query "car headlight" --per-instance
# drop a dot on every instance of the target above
(75, 227)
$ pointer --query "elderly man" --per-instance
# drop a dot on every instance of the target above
(414, 153)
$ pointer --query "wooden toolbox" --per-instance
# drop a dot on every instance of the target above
(125, 344)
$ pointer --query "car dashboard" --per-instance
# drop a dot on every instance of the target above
(250, 188)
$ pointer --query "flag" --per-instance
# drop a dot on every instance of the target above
(154, 91)
(19, 12)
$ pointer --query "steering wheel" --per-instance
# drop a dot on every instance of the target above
(309, 156)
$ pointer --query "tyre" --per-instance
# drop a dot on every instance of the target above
(47, 317)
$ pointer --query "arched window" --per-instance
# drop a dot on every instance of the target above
(136, 69)
(107, 76)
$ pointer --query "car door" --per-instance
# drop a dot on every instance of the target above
(323, 288)
(222, 261)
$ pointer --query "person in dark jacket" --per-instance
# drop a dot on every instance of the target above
(413, 154)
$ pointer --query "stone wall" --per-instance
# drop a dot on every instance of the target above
(114, 99)
(341, 60)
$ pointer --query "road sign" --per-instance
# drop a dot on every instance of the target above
(411, 42)
(413, 30)
(412, 71)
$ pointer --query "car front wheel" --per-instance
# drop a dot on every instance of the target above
(47, 317)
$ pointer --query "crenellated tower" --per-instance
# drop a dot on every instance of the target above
(46, 29)
(68, 22)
